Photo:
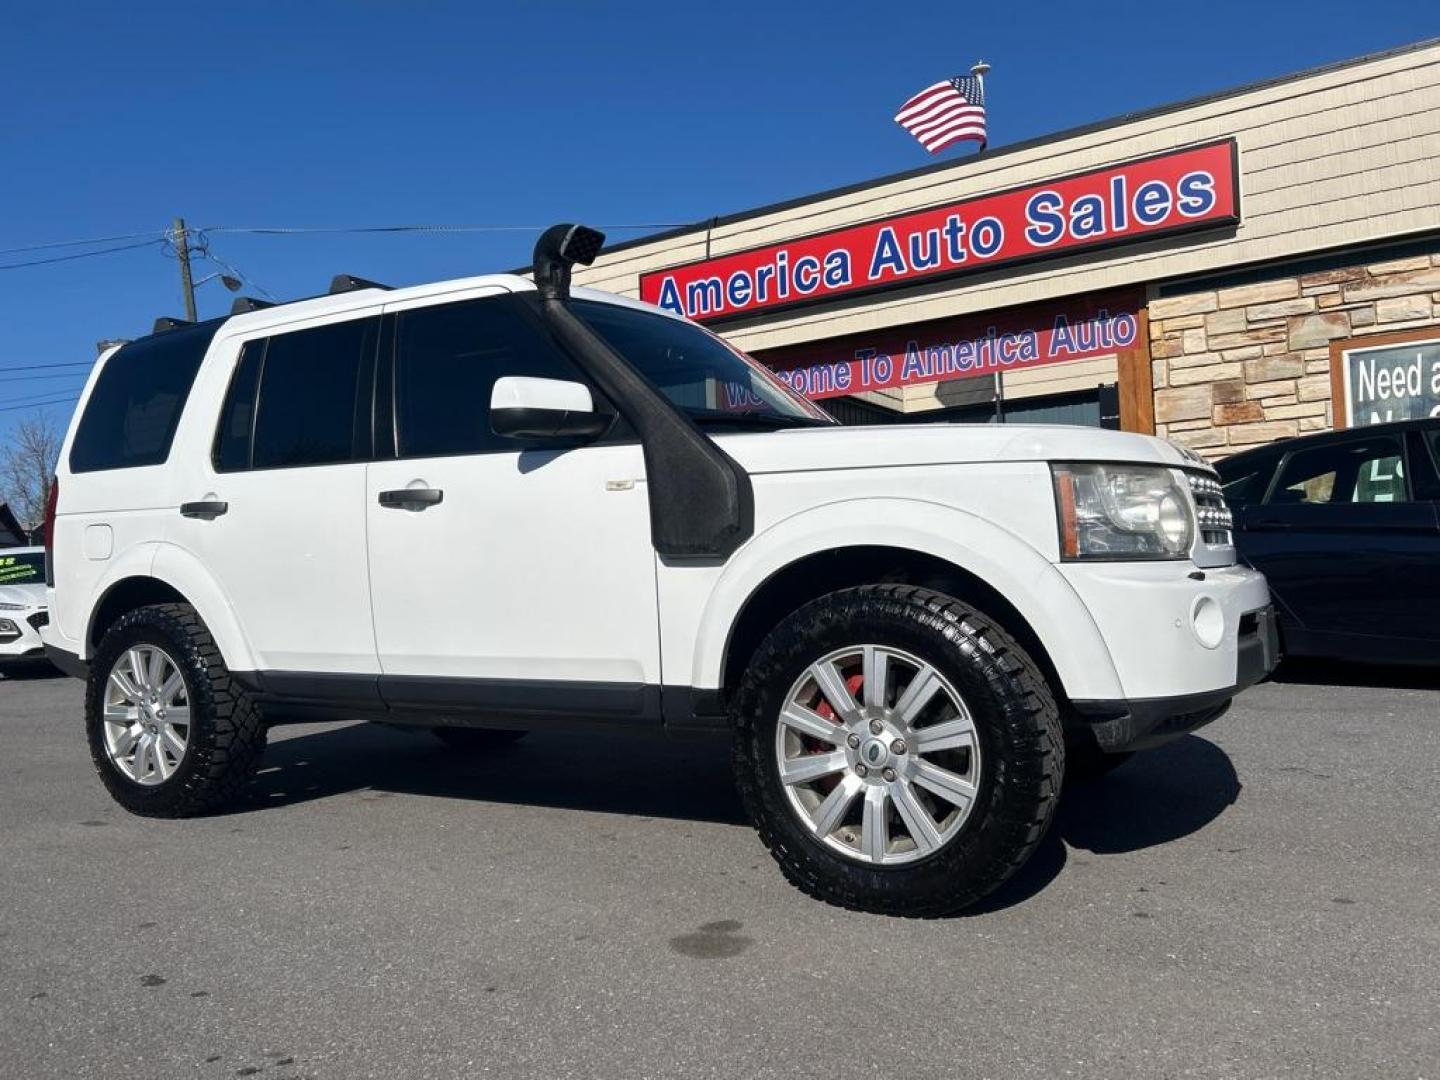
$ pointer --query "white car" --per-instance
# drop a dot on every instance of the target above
(492, 505)
(23, 606)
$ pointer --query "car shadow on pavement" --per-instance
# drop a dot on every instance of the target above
(645, 775)
(29, 671)
(1349, 673)
(1155, 798)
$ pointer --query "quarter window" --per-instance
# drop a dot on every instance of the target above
(447, 359)
(135, 407)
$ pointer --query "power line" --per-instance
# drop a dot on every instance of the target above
(80, 243)
(32, 394)
(81, 255)
(40, 404)
(41, 378)
(202, 248)
(48, 367)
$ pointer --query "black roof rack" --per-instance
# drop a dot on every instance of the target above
(343, 283)
(168, 322)
(243, 304)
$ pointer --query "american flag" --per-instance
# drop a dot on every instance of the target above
(946, 112)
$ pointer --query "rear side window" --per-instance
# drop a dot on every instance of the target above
(135, 407)
(447, 359)
(301, 398)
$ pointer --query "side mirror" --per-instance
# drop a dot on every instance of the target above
(524, 407)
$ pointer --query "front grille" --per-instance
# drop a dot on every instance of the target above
(1214, 516)
(39, 619)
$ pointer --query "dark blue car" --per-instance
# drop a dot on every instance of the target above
(1346, 527)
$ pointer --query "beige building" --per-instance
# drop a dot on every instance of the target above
(1207, 271)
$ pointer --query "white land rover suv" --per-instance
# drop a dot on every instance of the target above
(492, 505)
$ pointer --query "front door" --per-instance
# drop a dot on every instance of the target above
(525, 586)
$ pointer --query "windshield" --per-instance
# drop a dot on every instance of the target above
(28, 569)
(715, 383)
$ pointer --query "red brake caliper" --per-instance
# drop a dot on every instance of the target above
(853, 684)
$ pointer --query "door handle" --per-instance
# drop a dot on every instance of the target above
(205, 511)
(411, 498)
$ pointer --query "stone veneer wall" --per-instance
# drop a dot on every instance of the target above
(1237, 367)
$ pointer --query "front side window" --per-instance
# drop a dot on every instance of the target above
(447, 359)
(1365, 471)
(711, 380)
(300, 398)
(135, 407)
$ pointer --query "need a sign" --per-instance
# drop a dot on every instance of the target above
(1392, 382)
(1137, 200)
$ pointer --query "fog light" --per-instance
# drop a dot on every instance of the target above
(1208, 622)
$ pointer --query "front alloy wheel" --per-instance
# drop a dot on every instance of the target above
(878, 754)
(898, 751)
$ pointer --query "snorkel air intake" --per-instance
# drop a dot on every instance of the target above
(559, 248)
(701, 502)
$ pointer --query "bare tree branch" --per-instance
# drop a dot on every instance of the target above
(27, 463)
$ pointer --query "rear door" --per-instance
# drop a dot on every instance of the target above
(1343, 541)
(528, 584)
(276, 508)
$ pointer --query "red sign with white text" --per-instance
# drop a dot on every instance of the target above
(1138, 200)
(962, 347)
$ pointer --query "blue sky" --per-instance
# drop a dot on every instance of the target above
(116, 118)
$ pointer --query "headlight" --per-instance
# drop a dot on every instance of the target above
(1122, 512)
(12, 607)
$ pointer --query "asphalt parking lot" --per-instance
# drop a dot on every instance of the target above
(1259, 900)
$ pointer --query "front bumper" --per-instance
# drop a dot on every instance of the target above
(23, 643)
(1144, 723)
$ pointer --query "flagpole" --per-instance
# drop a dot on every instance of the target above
(978, 70)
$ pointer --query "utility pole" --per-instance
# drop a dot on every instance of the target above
(182, 251)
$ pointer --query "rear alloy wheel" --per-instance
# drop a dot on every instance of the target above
(146, 715)
(897, 750)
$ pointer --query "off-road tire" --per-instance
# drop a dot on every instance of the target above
(1016, 719)
(468, 740)
(227, 732)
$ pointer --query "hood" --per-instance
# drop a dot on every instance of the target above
(30, 595)
(803, 449)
